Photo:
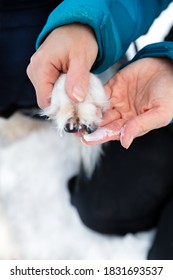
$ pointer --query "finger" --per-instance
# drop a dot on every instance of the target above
(43, 94)
(77, 80)
(142, 124)
(43, 81)
(110, 116)
(104, 134)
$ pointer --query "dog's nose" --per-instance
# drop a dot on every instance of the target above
(71, 127)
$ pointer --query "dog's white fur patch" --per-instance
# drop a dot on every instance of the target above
(63, 110)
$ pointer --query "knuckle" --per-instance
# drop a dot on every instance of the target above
(37, 57)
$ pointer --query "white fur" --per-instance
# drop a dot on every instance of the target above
(35, 213)
(63, 110)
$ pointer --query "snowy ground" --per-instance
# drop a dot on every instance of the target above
(36, 219)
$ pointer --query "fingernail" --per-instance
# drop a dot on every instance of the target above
(127, 145)
(78, 94)
(129, 142)
(100, 134)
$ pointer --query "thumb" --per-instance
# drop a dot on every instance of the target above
(142, 124)
(77, 80)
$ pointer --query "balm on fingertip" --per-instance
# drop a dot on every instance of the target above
(100, 134)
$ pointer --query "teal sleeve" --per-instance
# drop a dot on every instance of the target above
(162, 49)
(116, 23)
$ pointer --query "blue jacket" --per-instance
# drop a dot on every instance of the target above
(116, 23)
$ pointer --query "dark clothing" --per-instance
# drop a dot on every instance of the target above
(129, 188)
(162, 248)
(169, 36)
(24, 4)
(19, 29)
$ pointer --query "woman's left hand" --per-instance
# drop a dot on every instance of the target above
(141, 99)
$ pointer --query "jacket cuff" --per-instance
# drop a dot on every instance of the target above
(163, 49)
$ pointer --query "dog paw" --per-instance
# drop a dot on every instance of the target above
(73, 126)
(71, 116)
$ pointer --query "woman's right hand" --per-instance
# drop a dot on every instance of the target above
(70, 49)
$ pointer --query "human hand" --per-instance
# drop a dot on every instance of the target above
(141, 99)
(71, 49)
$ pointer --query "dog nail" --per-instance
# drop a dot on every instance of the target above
(78, 94)
(88, 129)
(71, 128)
